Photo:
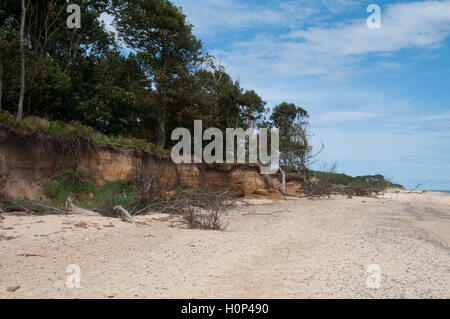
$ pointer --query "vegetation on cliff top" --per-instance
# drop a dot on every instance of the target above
(129, 89)
(76, 130)
(162, 80)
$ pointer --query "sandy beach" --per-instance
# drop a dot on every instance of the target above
(271, 249)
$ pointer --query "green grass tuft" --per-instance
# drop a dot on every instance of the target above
(87, 194)
(68, 182)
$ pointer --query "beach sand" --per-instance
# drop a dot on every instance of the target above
(271, 249)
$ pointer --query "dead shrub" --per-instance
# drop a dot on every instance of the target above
(317, 189)
(107, 208)
(201, 210)
(196, 208)
(148, 192)
(358, 189)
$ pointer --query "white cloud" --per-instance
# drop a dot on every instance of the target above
(443, 116)
(341, 49)
(417, 24)
(346, 116)
(213, 16)
(337, 6)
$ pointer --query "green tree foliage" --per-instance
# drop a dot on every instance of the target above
(158, 31)
(295, 149)
(151, 78)
(8, 58)
(340, 179)
(58, 59)
(223, 103)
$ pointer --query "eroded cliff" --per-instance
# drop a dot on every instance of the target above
(28, 160)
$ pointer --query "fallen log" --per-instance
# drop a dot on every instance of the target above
(70, 207)
(125, 215)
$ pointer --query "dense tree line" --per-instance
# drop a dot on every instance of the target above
(150, 78)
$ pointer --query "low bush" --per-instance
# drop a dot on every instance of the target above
(201, 210)
(75, 183)
(110, 195)
(317, 189)
(68, 182)
(358, 189)
(374, 181)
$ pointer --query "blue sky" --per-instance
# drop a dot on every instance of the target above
(379, 99)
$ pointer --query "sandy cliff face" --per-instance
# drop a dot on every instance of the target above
(28, 160)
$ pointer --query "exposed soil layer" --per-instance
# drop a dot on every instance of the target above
(28, 160)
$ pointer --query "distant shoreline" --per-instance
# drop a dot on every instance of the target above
(440, 191)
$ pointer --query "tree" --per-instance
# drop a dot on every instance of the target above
(158, 31)
(117, 105)
(223, 103)
(9, 51)
(295, 150)
(1, 82)
(163, 81)
(59, 60)
(22, 62)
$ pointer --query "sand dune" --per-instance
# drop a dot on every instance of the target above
(272, 249)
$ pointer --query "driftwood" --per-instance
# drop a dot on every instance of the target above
(44, 206)
(126, 216)
(26, 206)
(268, 214)
(70, 207)
(30, 255)
(414, 191)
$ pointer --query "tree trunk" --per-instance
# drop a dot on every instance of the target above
(283, 183)
(1, 84)
(162, 119)
(22, 62)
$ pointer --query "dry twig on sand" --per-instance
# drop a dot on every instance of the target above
(269, 214)
(30, 255)
(32, 207)
(44, 206)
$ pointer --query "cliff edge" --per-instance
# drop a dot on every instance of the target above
(30, 159)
